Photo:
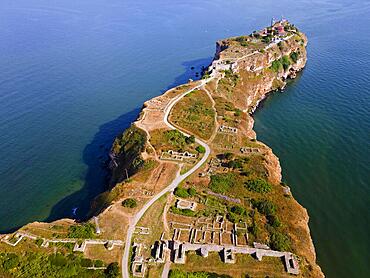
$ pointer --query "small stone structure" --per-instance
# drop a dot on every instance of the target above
(260, 246)
(229, 252)
(160, 247)
(177, 156)
(184, 204)
(249, 150)
(80, 246)
(228, 256)
(228, 129)
(138, 264)
(109, 244)
(142, 230)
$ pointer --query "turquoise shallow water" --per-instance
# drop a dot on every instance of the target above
(75, 73)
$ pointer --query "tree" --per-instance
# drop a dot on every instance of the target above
(228, 156)
(259, 185)
(294, 56)
(86, 230)
(192, 191)
(190, 139)
(181, 192)
(279, 241)
(129, 203)
(112, 270)
(200, 149)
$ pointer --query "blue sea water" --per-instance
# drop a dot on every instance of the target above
(73, 74)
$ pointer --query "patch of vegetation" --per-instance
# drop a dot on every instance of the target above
(276, 65)
(185, 193)
(259, 185)
(192, 191)
(285, 61)
(39, 265)
(190, 139)
(279, 241)
(237, 112)
(39, 241)
(129, 203)
(185, 212)
(182, 192)
(175, 138)
(200, 149)
(232, 77)
(112, 270)
(282, 63)
(127, 149)
(294, 57)
(206, 75)
(242, 40)
(86, 230)
(176, 273)
(222, 183)
(223, 106)
(194, 112)
(236, 213)
(265, 207)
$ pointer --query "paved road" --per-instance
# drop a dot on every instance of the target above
(179, 178)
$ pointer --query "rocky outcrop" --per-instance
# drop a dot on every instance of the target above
(259, 73)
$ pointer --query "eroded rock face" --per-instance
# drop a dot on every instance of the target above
(257, 77)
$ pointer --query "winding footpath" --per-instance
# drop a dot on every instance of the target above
(179, 178)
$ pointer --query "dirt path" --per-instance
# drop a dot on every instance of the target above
(179, 178)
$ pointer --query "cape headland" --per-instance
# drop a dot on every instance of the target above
(192, 189)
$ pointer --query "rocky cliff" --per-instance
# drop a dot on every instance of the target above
(252, 69)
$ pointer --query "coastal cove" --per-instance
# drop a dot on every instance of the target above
(110, 109)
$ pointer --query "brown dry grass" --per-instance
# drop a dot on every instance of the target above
(245, 264)
(194, 113)
(99, 252)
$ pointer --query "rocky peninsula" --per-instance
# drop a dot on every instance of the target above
(192, 189)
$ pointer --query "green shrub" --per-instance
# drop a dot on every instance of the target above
(200, 149)
(175, 138)
(57, 260)
(98, 263)
(186, 212)
(279, 241)
(228, 156)
(276, 66)
(11, 261)
(285, 61)
(86, 230)
(235, 164)
(274, 220)
(39, 241)
(222, 183)
(192, 192)
(85, 262)
(294, 56)
(259, 185)
(237, 112)
(129, 203)
(112, 270)
(238, 210)
(190, 139)
(254, 229)
(181, 192)
(265, 207)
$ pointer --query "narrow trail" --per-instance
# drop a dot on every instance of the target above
(179, 178)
